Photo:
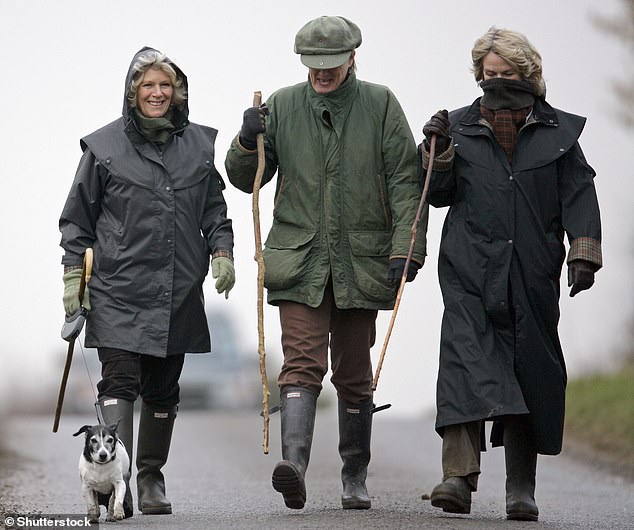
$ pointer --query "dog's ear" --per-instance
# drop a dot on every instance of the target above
(85, 428)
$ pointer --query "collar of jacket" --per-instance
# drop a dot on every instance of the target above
(542, 113)
(133, 131)
(337, 102)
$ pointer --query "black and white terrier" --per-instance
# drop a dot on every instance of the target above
(103, 468)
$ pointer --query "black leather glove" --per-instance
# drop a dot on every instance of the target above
(252, 125)
(438, 125)
(580, 276)
(395, 271)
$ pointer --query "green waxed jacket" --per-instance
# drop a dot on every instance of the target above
(346, 194)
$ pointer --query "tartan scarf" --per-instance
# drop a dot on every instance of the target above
(505, 105)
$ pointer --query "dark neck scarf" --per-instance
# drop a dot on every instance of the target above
(155, 130)
(505, 105)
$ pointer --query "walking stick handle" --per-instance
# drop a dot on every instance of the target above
(259, 258)
(399, 294)
(86, 273)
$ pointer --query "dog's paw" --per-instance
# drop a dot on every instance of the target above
(117, 514)
(93, 516)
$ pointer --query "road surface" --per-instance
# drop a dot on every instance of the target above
(218, 477)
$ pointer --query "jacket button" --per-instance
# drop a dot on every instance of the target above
(510, 241)
(167, 188)
(108, 161)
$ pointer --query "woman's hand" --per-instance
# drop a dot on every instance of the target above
(222, 269)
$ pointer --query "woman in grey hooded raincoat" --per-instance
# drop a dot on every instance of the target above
(512, 172)
(148, 199)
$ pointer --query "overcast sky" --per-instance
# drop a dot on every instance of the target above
(65, 62)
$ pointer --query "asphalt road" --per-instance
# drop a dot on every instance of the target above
(219, 477)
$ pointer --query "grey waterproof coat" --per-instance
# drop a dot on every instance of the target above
(500, 261)
(153, 219)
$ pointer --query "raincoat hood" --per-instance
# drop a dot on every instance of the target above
(127, 110)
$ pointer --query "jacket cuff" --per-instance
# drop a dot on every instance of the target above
(586, 249)
(222, 254)
(442, 161)
(242, 148)
(68, 268)
(419, 262)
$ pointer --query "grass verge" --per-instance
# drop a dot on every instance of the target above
(600, 416)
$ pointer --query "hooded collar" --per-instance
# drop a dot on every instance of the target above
(179, 116)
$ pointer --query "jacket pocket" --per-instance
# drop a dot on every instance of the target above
(286, 252)
(370, 252)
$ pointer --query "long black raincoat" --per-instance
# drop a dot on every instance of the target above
(500, 261)
(153, 219)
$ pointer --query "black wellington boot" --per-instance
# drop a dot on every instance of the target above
(298, 407)
(114, 410)
(155, 436)
(355, 430)
(521, 466)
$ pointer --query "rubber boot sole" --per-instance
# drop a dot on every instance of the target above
(288, 480)
(156, 510)
(450, 504)
(355, 503)
(522, 511)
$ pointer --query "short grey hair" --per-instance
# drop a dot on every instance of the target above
(153, 59)
(515, 49)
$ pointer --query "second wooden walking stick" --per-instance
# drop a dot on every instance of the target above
(259, 258)
(399, 294)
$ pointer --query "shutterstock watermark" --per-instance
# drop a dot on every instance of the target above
(23, 521)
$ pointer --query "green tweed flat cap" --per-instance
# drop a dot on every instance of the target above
(326, 42)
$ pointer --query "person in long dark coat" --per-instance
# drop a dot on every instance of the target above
(511, 170)
(148, 199)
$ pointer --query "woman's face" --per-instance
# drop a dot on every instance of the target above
(154, 94)
(325, 81)
(495, 66)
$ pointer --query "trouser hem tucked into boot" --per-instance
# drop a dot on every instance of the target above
(355, 431)
(120, 412)
(155, 436)
(297, 406)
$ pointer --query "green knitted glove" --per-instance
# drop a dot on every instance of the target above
(222, 269)
(71, 292)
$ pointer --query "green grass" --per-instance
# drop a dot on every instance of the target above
(600, 414)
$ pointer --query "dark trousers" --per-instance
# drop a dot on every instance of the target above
(126, 375)
(307, 333)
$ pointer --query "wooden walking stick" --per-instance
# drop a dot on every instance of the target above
(399, 294)
(86, 273)
(257, 99)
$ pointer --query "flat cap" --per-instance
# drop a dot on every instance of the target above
(326, 42)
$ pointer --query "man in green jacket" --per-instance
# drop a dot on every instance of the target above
(345, 202)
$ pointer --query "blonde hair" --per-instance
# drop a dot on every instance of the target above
(153, 59)
(515, 49)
